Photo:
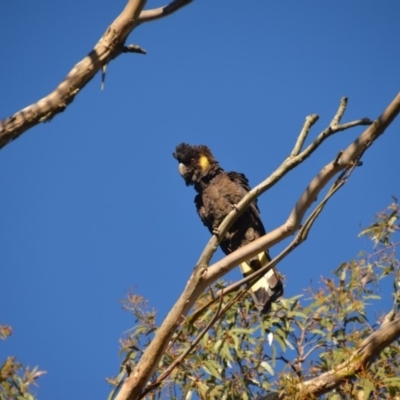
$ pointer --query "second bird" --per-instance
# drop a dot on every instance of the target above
(218, 191)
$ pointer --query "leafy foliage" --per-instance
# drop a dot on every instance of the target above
(5, 331)
(16, 380)
(240, 355)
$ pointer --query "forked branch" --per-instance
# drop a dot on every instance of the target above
(110, 46)
(301, 236)
(297, 157)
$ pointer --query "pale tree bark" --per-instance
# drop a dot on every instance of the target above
(110, 46)
(204, 275)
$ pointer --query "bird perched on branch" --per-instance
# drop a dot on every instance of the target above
(219, 191)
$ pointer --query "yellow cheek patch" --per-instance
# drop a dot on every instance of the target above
(204, 163)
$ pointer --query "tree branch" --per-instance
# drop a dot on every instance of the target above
(110, 46)
(288, 164)
(359, 360)
(133, 48)
(347, 158)
(161, 12)
(300, 237)
(309, 122)
(342, 108)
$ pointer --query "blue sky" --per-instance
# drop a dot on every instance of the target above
(92, 202)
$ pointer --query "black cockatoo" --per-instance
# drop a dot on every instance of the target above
(218, 191)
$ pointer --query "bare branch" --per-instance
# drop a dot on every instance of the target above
(358, 122)
(110, 46)
(300, 237)
(342, 108)
(133, 48)
(311, 350)
(310, 121)
(273, 179)
(161, 12)
(347, 159)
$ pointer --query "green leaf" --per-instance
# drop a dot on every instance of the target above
(281, 343)
(372, 297)
(203, 389)
(225, 352)
(245, 331)
(318, 332)
(267, 367)
(217, 345)
(392, 381)
(210, 367)
(367, 386)
(392, 218)
(273, 355)
(299, 314)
